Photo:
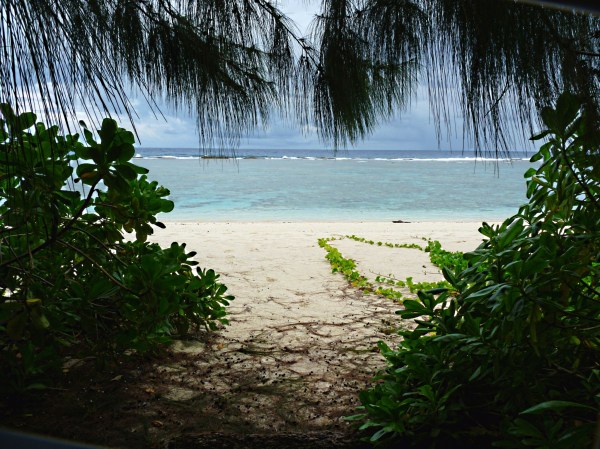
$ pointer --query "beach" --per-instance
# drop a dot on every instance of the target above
(302, 340)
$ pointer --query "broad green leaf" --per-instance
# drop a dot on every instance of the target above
(39, 320)
(449, 337)
(126, 172)
(550, 119)
(166, 206)
(567, 108)
(86, 168)
(487, 291)
(124, 137)
(540, 135)
(7, 112)
(127, 152)
(555, 405)
(139, 170)
(475, 374)
(107, 132)
(89, 137)
(511, 233)
(90, 178)
(82, 152)
(117, 183)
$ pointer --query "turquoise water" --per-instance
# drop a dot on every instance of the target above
(345, 189)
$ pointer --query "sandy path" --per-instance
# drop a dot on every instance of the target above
(301, 343)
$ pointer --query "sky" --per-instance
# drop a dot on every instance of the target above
(412, 130)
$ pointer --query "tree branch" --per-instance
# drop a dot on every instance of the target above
(90, 259)
(60, 233)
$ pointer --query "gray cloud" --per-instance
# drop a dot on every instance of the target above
(411, 130)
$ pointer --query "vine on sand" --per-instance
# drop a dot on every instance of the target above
(386, 286)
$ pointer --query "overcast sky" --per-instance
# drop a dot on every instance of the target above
(412, 130)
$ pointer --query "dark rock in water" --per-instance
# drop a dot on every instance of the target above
(400, 221)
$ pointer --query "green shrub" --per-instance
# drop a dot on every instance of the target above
(70, 284)
(513, 360)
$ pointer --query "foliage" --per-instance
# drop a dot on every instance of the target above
(347, 267)
(339, 264)
(513, 358)
(231, 62)
(388, 244)
(69, 281)
(442, 258)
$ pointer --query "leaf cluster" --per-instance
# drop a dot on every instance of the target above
(386, 285)
(71, 284)
(513, 359)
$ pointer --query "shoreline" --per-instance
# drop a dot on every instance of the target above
(292, 221)
(246, 237)
(396, 222)
(278, 255)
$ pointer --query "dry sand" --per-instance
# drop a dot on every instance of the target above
(302, 342)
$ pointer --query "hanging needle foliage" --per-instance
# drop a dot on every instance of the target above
(492, 63)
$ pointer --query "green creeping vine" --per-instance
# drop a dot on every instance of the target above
(439, 257)
(389, 245)
(71, 285)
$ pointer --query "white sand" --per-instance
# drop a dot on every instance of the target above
(296, 327)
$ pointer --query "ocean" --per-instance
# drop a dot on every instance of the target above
(352, 185)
